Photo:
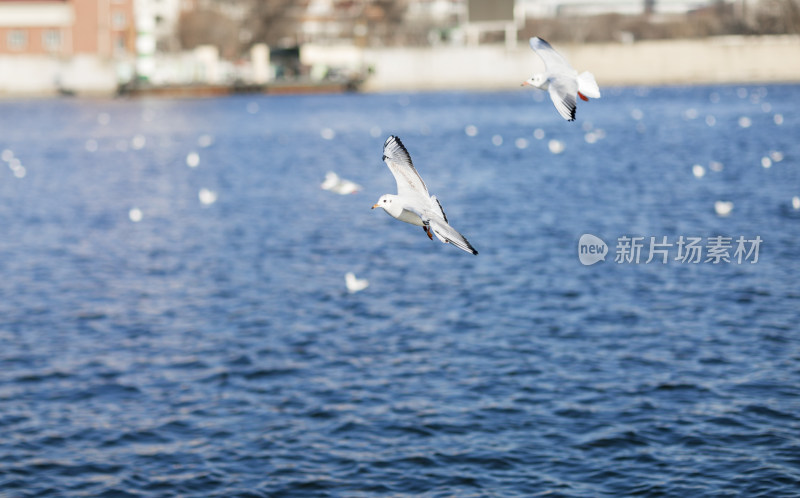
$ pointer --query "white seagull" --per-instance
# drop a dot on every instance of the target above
(338, 185)
(562, 80)
(413, 204)
(723, 208)
(354, 284)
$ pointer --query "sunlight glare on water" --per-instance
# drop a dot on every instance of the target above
(555, 146)
(135, 215)
(193, 159)
(205, 140)
(207, 196)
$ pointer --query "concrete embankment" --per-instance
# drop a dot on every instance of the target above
(39, 75)
(730, 59)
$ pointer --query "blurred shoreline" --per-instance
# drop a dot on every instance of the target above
(720, 60)
(728, 59)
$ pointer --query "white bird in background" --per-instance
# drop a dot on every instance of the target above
(723, 208)
(355, 284)
(413, 204)
(561, 80)
(338, 185)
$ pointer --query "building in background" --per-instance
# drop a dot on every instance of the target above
(156, 23)
(84, 46)
(159, 19)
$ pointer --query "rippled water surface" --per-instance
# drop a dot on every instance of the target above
(152, 344)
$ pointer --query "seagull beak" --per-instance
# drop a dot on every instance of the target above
(374, 206)
(525, 83)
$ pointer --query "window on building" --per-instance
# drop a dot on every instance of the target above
(120, 45)
(119, 20)
(51, 40)
(17, 39)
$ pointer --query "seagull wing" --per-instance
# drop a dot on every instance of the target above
(553, 61)
(563, 92)
(430, 217)
(409, 183)
(446, 233)
(439, 204)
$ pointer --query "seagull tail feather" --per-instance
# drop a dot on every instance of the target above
(588, 86)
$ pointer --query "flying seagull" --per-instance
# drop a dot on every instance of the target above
(413, 204)
(562, 80)
(339, 185)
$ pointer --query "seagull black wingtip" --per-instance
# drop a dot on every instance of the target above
(398, 142)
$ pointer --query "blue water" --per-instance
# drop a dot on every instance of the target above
(213, 350)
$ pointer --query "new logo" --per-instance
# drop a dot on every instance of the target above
(591, 249)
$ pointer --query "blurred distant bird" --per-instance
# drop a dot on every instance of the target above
(723, 208)
(355, 284)
(413, 204)
(339, 185)
(563, 82)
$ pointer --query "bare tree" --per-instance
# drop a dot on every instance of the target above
(385, 21)
(209, 27)
(778, 16)
(720, 18)
(272, 21)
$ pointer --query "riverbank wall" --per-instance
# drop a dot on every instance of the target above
(729, 59)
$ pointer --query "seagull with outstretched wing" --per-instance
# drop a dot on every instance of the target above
(413, 204)
(561, 80)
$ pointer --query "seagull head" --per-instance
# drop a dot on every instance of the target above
(537, 81)
(387, 203)
(384, 202)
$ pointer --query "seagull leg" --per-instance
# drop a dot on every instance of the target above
(427, 231)
(583, 97)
